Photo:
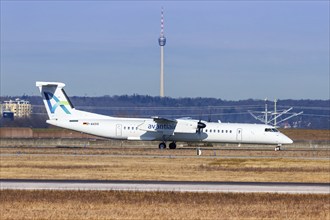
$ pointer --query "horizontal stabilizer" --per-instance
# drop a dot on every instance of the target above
(56, 84)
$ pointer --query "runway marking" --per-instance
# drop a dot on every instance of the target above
(175, 186)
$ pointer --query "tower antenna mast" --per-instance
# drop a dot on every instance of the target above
(162, 42)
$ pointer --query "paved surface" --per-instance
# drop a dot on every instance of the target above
(179, 186)
(163, 156)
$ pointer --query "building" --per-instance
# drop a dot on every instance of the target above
(20, 108)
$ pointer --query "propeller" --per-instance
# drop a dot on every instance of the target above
(200, 126)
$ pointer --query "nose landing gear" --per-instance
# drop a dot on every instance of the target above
(278, 147)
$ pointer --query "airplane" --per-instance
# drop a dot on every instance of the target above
(62, 113)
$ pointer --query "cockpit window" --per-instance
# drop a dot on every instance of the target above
(271, 130)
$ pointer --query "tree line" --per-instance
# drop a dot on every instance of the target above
(316, 113)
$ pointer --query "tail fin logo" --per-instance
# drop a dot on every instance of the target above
(49, 96)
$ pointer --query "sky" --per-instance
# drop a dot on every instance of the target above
(231, 50)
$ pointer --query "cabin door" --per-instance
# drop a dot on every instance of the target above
(239, 134)
(118, 130)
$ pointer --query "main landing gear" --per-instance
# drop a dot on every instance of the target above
(172, 145)
(162, 145)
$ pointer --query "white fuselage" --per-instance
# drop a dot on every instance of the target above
(147, 129)
(62, 114)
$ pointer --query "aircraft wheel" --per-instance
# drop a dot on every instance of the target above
(172, 145)
(277, 148)
(162, 145)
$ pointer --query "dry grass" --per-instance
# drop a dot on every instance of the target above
(88, 163)
(149, 168)
(307, 134)
(159, 205)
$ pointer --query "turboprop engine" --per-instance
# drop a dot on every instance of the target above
(200, 126)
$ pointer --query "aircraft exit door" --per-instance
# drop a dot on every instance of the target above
(118, 130)
(239, 134)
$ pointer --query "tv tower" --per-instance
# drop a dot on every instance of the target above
(162, 42)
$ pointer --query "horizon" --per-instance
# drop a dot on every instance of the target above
(166, 97)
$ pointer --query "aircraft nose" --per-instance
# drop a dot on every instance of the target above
(286, 140)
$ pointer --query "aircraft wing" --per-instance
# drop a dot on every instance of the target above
(169, 126)
(160, 120)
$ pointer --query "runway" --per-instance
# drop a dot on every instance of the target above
(161, 156)
(175, 186)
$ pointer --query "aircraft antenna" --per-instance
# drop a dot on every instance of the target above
(162, 23)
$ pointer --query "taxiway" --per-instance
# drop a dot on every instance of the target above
(175, 186)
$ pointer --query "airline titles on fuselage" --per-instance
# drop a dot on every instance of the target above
(161, 126)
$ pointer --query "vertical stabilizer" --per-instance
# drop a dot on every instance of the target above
(55, 100)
